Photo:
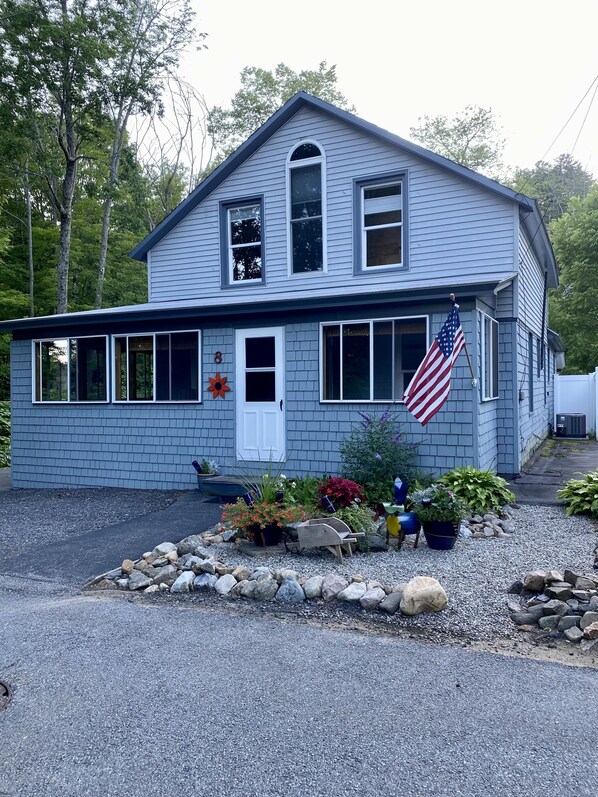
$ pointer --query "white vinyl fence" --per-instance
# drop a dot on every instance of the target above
(577, 394)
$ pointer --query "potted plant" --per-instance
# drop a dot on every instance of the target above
(261, 520)
(440, 512)
(206, 469)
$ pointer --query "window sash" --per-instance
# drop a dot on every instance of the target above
(153, 376)
(61, 377)
(306, 213)
(386, 358)
(246, 212)
(373, 212)
(489, 358)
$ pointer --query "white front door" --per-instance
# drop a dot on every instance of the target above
(260, 394)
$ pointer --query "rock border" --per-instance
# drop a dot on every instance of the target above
(189, 566)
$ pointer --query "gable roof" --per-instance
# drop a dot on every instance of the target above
(274, 123)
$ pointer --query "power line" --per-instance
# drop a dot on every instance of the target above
(585, 118)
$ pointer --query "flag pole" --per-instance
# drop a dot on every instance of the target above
(474, 381)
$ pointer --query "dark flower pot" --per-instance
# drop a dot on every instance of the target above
(441, 534)
(271, 535)
(202, 478)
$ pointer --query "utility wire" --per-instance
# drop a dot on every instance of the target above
(585, 118)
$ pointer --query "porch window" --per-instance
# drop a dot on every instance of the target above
(489, 358)
(242, 249)
(157, 367)
(71, 369)
(306, 208)
(371, 360)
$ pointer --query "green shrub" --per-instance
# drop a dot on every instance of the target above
(437, 502)
(4, 434)
(359, 518)
(481, 490)
(303, 490)
(581, 495)
(375, 453)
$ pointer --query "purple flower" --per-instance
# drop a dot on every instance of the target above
(385, 415)
(377, 456)
(397, 437)
(367, 419)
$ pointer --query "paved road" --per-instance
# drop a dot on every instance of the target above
(119, 697)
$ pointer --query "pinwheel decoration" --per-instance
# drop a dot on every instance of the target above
(218, 385)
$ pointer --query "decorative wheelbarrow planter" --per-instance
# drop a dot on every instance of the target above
(329, 532)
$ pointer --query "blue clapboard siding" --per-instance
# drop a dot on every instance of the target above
(530, 288)
(152, 445)
(458, 231)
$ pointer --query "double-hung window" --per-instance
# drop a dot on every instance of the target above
(380, 223)
(371, 360)
(306, 208)
(71, 369)
(242, 247)
(158, 367)
(489, 358)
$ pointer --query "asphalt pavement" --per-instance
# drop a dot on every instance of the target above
(113, 696)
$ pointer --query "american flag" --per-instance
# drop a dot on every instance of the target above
(430, 386)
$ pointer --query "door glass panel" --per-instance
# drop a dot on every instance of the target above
(260, 353)
(260, 386)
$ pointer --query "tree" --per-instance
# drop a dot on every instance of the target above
(261, 94)
(471, 138)
(149, 40)
(553, 184)
(574, 304)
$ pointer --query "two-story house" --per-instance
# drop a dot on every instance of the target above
(309, 274)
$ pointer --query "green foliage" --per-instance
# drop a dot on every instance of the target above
(471, 138)
(359, 518)
(437, 502)
(303, 490)
(261, 94)
(581, 495)
(4, 434)
(573, 304)
(375, 453)
(481, 490)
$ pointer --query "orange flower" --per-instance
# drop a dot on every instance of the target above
(218, 385)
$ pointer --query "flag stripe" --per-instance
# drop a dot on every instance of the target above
(431, 383)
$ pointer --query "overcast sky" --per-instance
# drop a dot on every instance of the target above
(531, 61)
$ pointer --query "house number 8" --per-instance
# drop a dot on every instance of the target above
(218, 357)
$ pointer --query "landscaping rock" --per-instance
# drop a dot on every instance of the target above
(223, 570)
(248, 588)
(259, 572)
(561, 593)
(534, 581)
(353, 593)
(164, 588)
(122, 583)
(207, 566)
(127, 566)
(242, 573)
(589, 645)
(556, 607)
(163, 549)
(171, 556)
(573, 634)
(593, 605)
(152, 589)
(536, 611)
(588, 619)
(205, 581)
(184, 582)
(229, 536)
(202, 552)
(165, 575)
(582, 582)
(189, 561)
(138, 580)
(570, 576)
(524, 618)
(591, 631)
(372, 598)
(225, 583)
(549, 623)
(280, 575)
(391, 603)
(423, 594)
(290, 591)
(313, 587)
(332, 585)
(571, 621)
(105, 583)
(189, 544)
(265, 588)
(551, 576)
(237, 590)
(516, 588)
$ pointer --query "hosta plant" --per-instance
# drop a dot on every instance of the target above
(481, 490)
(581, 495)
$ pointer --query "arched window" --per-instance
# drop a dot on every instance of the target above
(305, 169)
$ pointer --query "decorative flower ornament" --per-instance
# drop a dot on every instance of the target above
(218, 385)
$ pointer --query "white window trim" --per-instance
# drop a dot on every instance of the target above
(371, 322)
(128, 335)
(230, 246)
(68, 371)
(290, 165)
(363, 265)
(485, 317)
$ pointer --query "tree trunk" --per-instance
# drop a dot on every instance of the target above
(64, 242)
(104, 246)
(29, 239)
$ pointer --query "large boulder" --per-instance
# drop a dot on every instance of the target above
(205, 581)
(534, 581)
(353, 593)
(225, 583)
(189, 544)
(423, 594)
(313, 587)
(265, 588)
(184, 582)
(332, 585)
(290, 591)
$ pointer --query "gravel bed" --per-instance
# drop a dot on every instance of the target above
(38, 517)
(475, 574)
